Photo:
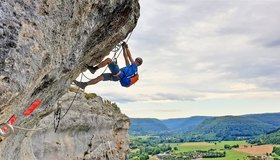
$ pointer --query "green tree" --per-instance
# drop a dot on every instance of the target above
(226, 146)
(276, 150)
(169, 148)
(144, 156)
(156, 151)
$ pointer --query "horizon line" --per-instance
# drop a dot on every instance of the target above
(204, 116)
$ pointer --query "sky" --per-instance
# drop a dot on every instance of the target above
(202, 57)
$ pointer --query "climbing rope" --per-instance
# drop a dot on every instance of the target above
(30, 129)
(85, 76)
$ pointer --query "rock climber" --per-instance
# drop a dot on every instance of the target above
(127, 75)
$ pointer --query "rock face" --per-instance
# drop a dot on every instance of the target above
(44, 45)
(92, 129)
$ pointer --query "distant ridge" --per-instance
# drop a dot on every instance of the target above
(209, 128)
(230, 128)
(269, 118)
(145, 126)
(183, 124)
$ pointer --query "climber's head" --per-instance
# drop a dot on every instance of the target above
(139, 61)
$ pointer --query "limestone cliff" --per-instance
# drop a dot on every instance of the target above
(92, 129)
(44, 45)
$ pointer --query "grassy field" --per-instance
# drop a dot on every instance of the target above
(230, 154)
(240, 153)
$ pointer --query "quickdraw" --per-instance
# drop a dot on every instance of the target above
(57, 118)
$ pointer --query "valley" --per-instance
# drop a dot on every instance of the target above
(250, 137)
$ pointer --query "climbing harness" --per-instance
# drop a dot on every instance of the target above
(116, 75)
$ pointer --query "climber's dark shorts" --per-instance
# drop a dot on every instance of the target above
(114, 68)
(109, 77)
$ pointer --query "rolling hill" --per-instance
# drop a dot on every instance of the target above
(270, 138)
(183, 124)
(229, 128)
(199, 128)
(269, 118)
(146, 126)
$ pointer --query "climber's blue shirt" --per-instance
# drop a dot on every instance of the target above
(130, 70)
(127, 76)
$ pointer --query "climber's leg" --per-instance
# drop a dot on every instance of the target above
(100, 65)
(104, 63)
(96, 80)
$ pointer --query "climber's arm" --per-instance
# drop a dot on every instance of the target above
(125, 57)
(129, 55)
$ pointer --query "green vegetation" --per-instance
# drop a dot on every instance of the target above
(276, 150)
(216, 146)
(73, 88)
(193, 155)
(146, 126)
(87, 95)
(269, 118)
(227, 146)
(90, 96)
(271, 138)
(228, 128)
(152, 145)
(144, 146)
(183, 124)
(205, 137)
(200, 128)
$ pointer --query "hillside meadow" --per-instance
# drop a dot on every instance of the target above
(243, 152)
(219, 146)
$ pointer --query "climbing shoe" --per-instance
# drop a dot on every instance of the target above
(82, 85)
(92, 69)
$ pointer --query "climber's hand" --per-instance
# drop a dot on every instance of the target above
(124, 45)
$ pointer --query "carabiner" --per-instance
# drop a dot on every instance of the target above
(9, 129)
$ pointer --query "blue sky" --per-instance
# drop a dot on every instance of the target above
(202, 57)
